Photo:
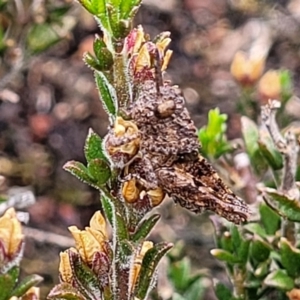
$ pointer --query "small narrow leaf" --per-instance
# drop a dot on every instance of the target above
(121, 228)
(212, 136)
(92, 62)
(65, 291)
(222, 292)
(262, 269)
(86, 280)
(285, 206)
(103, 55)
(40, 37)
(259, 249)
(243, 251)
(236, 237)
(26, 284)
(280, 280)
(107, 93)
(149, 265)
(115, 218)
(108, 208)
(270, 152)
(225, 256)
(251, 136)
(99, 170)
(179, 273)
(256, 228)
(270, 219)
(93, 147)
(79, 170)
(127, 6)
(290, 258)
(7, 283)
(144, 228)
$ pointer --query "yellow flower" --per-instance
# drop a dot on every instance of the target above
(247, 69)
(269, 86)
(11, 235)
(90, 240)
(122, 128)
(142, 50)
(137, 264)
(65, 269)
(294, 294)
(32, 293)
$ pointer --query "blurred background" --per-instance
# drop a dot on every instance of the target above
(48, 101)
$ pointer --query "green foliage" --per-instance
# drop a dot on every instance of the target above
(186, 285)
(9, 285)
(30, 29)
(212, 136)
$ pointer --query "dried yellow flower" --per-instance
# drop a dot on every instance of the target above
(269, 86)
(294, 294)
(91, 239)
(122, 128)
(156, 196)
(10, 232)
(130, 191)
(65, 269)
(246, 69)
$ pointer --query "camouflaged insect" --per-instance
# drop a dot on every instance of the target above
(168, 159)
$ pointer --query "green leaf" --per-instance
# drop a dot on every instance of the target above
(92, 62)
(57, 13)
(225, 256)
(251, 136)
(127, 6)
(286, 83)
(115, 218)
(103, 55)
(256, 228)
(282, 204)
(122, 232)
(95, 7)
(26, 284)
(225, 242)
(79, 170)
(270, 152)
(149, 265)
(243, 251)
(176, 296)
(280, 280)
(99, 170)
(223, 292)
(7, 283)
(262, 269)
(85, 279)
(144, 228)
(93, 148)
(108, 208)
(107, 93)
(259, 249)
(40, 37)
(290, 258)
(212, 136)
(236, 237)
(65, 291)
(195, 291)
(270, 220)
(179, 273)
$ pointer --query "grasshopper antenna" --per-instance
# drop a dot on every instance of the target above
(157, 71)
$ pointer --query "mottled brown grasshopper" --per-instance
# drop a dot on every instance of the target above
(158, 149)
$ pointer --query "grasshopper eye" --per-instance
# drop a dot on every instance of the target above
(165, 109)
(191, 156)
